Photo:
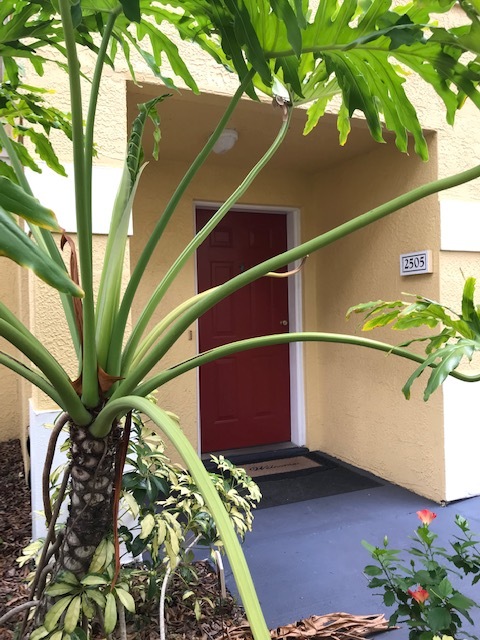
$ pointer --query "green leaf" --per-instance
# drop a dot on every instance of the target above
(286, 15)
(97, 597)
(247, 36)
(369, 547)
(72, 614)
(468, 305)
(16, 245)
(53, 614)
(451, 356)
(68, 577)
(76, 11)
(7, 171)
(316, 110)
(25, 157)
(13, 198)
(439, 619)
(372, 570)
(147, 524)
(461, 602)
(389, 598)
(405, 322)
(131, 8)
(380, 321)
(160, 43)
(39, 633)
(444, 588)
(469, 311)
(59, 589)
(289, 66)
(45, 150)
(126, 599)
(374, 583)
(99, 559)
(92, 580)
(87, 606)
(110, 616)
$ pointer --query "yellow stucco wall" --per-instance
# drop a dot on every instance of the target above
(363, 417)
(12, 415)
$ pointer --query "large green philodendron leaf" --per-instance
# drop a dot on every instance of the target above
(458, 340)
(15, 200)
(16, 245)
(359, 49)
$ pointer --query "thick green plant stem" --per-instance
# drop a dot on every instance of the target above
(283, 338)
(137, 375)
(43, 238)
(163, 325)
(47, 364)
(197, 241)
(92, 106)
(32, 376)
(172, 431)
(137, 274)
(90, 395)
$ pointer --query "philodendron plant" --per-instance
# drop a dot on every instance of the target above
(453, 338)
(295, 51)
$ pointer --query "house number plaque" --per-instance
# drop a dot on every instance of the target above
(412, 264)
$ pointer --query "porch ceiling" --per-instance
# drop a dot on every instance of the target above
(188, 119)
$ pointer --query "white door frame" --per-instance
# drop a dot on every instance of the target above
(295, 320)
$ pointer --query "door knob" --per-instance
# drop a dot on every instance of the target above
(284, 322)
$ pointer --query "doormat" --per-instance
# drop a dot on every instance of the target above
(325, 478)
(283, 465)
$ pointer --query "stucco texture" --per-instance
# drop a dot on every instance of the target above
(12, 418)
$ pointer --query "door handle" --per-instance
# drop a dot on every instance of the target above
(284, 322)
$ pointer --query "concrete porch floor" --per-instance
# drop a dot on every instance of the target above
(307, 559)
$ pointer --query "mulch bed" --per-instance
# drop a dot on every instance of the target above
(15, 534)
(226, 621)
(15, 529)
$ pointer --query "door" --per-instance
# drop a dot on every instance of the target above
(245, 397)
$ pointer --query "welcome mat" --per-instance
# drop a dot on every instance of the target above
(303, 478)
(283, 465)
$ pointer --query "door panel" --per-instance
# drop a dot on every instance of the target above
(244, 398)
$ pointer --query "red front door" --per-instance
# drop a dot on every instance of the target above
(244, 398)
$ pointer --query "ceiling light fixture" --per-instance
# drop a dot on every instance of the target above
(226, 141)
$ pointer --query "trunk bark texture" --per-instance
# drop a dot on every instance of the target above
(91, 498)
(91, 504)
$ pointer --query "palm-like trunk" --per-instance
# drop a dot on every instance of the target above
(90, 508)
(91, 498)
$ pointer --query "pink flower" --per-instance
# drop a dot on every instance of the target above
(426, 516)
(420, 594)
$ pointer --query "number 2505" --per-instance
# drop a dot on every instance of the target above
(414, 263)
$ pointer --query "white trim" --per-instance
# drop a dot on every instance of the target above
(461, 405)
(58, 193)
(459, 225)
(295, 313)
(39, 437)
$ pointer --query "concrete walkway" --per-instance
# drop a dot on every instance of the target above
(307, 559)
